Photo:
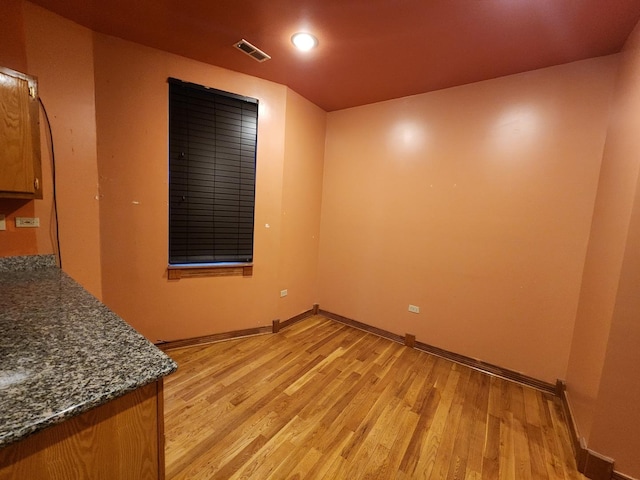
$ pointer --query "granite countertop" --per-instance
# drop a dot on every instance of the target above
(62, 352)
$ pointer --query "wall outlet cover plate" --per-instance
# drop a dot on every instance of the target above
(27, 222)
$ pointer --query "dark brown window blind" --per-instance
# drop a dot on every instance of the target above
(212, 164)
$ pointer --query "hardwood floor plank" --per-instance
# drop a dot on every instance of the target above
(478, 428)
(330, 451)
(377, 463)
(450, 432)
(424, 460)
(507, 449)
(366, 435)
(295, 468)
(406, 422)
(464, 435)
(491, 456)
(532, 408)
(536, 452)
(323, 400)
(521, 450)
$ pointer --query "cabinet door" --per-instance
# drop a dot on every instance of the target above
(19, 136)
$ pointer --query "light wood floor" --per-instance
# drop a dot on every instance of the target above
(321, 400)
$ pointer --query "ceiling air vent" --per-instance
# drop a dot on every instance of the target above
(252, 51)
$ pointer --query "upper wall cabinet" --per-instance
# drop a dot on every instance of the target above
(20, 166)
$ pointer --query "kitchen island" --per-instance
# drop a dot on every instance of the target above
(80, 389)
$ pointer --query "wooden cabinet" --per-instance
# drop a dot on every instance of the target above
(20, 167)
(122, 439)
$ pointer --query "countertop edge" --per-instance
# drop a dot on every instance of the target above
(159, 364)
(18, 435)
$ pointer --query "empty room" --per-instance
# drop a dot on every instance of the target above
(319, 240)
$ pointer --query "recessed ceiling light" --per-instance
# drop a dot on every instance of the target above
(304, 41)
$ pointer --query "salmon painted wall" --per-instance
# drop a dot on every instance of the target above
(132, 119)
(602, 378)
(607, 243)
(617, 416)
(473, 203)
(13, 53)
(60, 54)
(301, 200)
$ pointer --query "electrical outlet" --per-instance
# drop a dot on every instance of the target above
(284, 293)
(3, 222)
(27, 222)
(414, 309)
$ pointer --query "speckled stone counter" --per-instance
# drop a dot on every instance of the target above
(62, 352)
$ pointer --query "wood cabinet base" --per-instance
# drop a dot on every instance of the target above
(123, 439)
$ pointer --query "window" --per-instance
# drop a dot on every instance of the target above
(212, 164)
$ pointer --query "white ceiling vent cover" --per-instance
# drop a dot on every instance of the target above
(252, 51)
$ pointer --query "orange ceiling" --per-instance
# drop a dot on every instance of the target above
(370, 50)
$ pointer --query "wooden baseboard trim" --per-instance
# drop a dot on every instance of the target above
(216, 337)
(362, 326)
(578, 448)
(596, 466)
(488, 368)
(620, 476)
(276, 326)
(454, 357)
(591, 464)
(409, 340)
(297, 318)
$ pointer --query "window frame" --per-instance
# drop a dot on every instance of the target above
(180, 269)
